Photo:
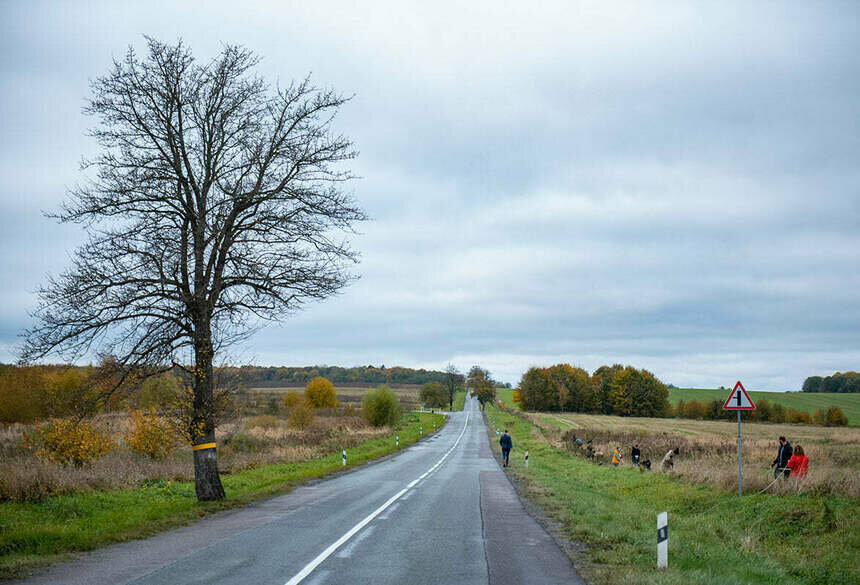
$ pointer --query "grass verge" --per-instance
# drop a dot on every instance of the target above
(459, 400)
(33, 534)
(714, 538)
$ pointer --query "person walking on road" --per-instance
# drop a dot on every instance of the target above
(507, 444)
(799, 463)
(780, 464)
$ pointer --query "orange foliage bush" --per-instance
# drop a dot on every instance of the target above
(797, 417)
(835, 417)
(67, 442)
(320, 393)
(150, 435)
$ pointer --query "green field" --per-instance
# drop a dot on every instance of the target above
(715, 538)
(804, 402)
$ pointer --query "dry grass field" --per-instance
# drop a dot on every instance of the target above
(246, 442)
(709, 449)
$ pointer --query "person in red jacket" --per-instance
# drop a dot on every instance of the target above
(798, 463)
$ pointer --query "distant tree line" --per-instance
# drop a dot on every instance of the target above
(38, 392)
(841, 382)
(272, 377)
(616, 389)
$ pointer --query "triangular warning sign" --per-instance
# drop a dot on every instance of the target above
(739, 399)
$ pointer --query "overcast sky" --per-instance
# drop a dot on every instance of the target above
(583, 182)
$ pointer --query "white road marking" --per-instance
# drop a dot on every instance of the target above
(319, 578)
(347, 551)
(387, 514)
(308, 569)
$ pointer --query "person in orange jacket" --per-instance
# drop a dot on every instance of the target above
(616, 457)
(798, 463)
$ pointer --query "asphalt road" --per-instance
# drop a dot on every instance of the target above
(441, 511)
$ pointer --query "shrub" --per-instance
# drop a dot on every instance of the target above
(292, 399)
(273, 407)
(819, 417)
(777, 413)
(763, 410)
(695, 410)
(380, 407)
(264, 421)
(433, 395)
(150, 435)
(797, 417)
(67, 442)
(301, 416)
(244, 443)
(835, 417)
(320, 393)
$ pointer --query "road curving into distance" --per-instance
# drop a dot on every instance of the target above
(439, 512)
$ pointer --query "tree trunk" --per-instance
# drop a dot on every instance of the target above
(207, 481)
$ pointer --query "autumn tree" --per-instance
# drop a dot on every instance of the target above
(603, 378)
(215, 205)
(481, 385)
(433, 395)
(640, 393)
(575, 388)
(320, 393)
(538, 390)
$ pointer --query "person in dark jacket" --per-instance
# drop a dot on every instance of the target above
(507, 444)
(780, 464)
(635, 454)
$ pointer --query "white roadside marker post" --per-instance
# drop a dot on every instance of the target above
(662, 540)
(527, 459)
(420, 430)
(343, 460)
(396, 441)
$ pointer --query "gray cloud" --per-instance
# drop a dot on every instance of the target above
(676, 189)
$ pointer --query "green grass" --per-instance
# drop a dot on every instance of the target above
(802, 401)
(506, 395)
(37, 533)
(715, 538)
(459, 400)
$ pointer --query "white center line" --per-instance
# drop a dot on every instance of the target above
(308, 569)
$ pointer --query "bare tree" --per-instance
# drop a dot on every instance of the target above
(216, 205)
(453, 383)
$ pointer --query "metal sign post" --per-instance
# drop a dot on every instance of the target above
(740, 471)
(739, 400)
